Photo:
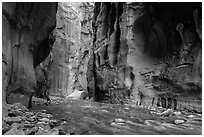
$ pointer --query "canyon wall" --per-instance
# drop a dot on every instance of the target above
(71, 49)
(26, 42)
(147, 51)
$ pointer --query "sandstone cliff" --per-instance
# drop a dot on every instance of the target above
(26, 42)
(151, 51)
(71, 49)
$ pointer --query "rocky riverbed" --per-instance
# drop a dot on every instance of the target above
(84, 117)
(21, 121)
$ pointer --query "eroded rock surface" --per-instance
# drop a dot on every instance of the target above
(151, 51)
(26, 43)
(71, 49)
(141, 61)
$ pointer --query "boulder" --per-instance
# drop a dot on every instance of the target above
(177, 113)
(119, 120)
(41, 132)
(29, 114)
(53, 131)
(31, 131)
(15, 125)
(43, 127)
(115, 124)
(15, 131)
(168, 112)
(24, 108)
(10, 120)
(62, 131)
(78, 95)
(191, 116)
(29, 125)
(54, 123)
(15, 106)
(5, 127)
(45, 115)
(44, 120)
(23, 118)
(15, 113)
(31, 119)
(179, 121)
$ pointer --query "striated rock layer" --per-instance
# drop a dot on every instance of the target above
(151, 51)
(26, 42)
(71, 49)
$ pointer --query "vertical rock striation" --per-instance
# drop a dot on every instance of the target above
(151, 51)
(26, 43)
(71, 49)
(113, 76)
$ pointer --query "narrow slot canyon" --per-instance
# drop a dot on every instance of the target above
(101, 68)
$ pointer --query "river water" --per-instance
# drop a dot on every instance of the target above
(84, 117)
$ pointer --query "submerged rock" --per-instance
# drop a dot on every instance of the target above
(45, 115)
(191, 116)
(178, 113)
(116, 124)
(119, 120)
(179, 121)
(168, 112)
(44, 120)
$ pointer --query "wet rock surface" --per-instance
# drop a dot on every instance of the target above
(21, 121)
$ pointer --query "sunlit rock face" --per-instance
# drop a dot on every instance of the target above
(71, 49)
(25, 44)
(149, 50)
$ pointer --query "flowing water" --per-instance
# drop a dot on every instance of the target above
(87, 117)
